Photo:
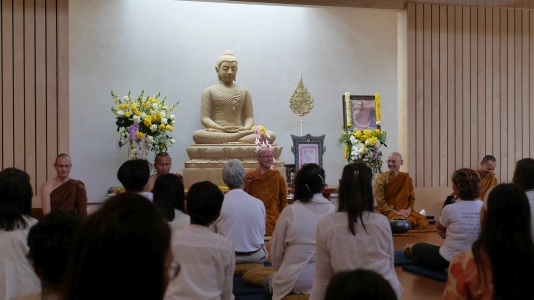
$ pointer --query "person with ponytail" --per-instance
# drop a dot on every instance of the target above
(293, 241)
(499, 263)
(354, 237)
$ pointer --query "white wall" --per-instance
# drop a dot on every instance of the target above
(172, 46)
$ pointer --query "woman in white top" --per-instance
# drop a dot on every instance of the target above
(17, 277)
(524, 177)
(355, 237)
(169, 197)
(459, 223)
(293, 240)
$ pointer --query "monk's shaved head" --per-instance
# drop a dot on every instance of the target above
(396, 155)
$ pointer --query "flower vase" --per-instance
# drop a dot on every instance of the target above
(131, 151)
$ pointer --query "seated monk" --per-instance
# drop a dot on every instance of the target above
(62, 192)
(226, 109)
(394, 194)
(162, 164)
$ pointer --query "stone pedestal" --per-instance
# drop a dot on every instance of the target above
(207, 160)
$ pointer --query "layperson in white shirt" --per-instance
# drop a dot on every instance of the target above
(204, 260)
(524, 177)
(242, 218)
(133, 175)
(459, 223)
(293, 241)
(355, 237)
(17, 277)
(169, 196)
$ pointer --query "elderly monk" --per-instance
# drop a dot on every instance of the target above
(394, 194)
(269, 186)
(226, 108)
(63, 193)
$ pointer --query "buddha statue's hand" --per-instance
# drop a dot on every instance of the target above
(233, 129)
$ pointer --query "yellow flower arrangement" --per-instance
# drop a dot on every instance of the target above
(144, 123)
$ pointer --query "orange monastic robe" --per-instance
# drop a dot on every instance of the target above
(396, 193)
(270, 187)
(70, 196)
(486, 183)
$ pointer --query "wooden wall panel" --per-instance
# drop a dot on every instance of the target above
(29, 89)
(470, 85)
(34, 86)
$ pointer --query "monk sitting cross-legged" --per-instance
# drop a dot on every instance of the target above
(269, 186)
(394, 194)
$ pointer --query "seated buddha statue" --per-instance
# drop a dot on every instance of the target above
(226, 109)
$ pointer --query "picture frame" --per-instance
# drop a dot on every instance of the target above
(362, 112)
(308, 149)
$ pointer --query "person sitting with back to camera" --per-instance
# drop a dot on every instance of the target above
(359, 284)
(395, 196)
(459, 223)
(293, 241)
(206, 260)
(524, 177)
(17, 275)
(50, 242)
(122, 251)
(242, 218)
(133, 175)
(169, 197)
(355, 236)
(499, 263)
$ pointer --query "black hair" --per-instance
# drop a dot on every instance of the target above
(309, 181)
(168, 194)
(356, 193)
(204, 202)
(359, 284)
(524, 173)
(50, 241)
(120, 252)
(15, 199)
(134, 174)
(506, 233)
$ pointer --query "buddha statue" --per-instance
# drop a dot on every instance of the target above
(226, 109)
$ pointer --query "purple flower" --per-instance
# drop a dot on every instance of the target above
(132, 130)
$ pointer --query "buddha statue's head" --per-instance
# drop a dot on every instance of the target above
(226, 67)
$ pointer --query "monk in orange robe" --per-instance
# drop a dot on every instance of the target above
(395, 196)
(269, 186)
(487, 175)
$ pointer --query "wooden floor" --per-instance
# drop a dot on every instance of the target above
(418, 287)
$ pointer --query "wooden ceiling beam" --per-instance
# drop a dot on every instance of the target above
(378, 4)
(392, 4)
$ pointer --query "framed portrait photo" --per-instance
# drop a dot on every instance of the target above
(359, 113)
(308, 149)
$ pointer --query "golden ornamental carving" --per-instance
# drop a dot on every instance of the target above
(301, 102)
